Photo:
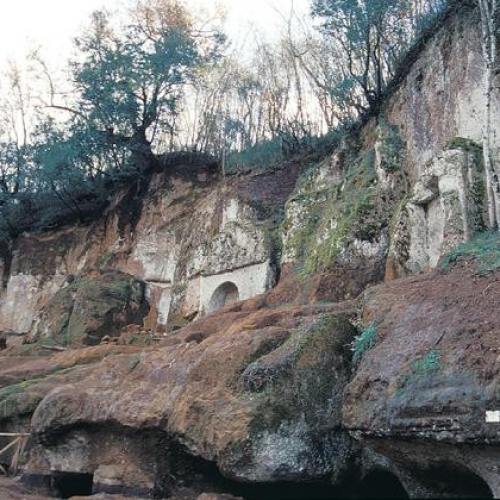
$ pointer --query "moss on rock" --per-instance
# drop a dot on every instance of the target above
(307, 370)
(90, 307)
(321, 225)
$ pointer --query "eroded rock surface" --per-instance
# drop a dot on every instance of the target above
(184, 235)
(421, 394)
(256, 391)
(90, 307)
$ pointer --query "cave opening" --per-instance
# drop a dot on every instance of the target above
(451, 480)
(68, 484)
(182, 470)
(283, 490)
(381, 484)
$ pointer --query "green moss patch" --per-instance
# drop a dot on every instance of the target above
(392, 146)
(17, 400)
(363, 342)
(469, 146)
(422, 368)
(332, 218)
(484, 248)
(304, 376)
(325, 218)
(91, 307)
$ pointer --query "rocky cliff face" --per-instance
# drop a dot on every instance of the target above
(397, 196)
(303, 382)
(423, 393)
(186, 238)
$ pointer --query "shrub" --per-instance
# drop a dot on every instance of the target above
(363, 342)
(423, 367)
(266, 154)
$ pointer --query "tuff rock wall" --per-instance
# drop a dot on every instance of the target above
(186, 235)
(266, 390)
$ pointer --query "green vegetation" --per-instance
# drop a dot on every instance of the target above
(332, 331)
(334, 215)
(104, 302)
(272, 153)
(10, 390)
(8, 400)
(363, 342)
(134, 360)
(484, 248)
(429, 363)
(476, 190)
(463, 143)
(104, 259)
(267, 154)
(424, 367)
(392, 146)
(471, 147)
(295, 379)
(128, 79)
(15, 401)
(392, 26)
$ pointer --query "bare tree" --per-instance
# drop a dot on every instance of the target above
(16, 113)
(490, 28)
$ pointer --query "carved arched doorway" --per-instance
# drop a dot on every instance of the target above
(224, 294)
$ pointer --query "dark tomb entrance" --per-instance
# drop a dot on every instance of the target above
(381, 484)
(68, 484)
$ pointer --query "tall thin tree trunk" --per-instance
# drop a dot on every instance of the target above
(488, 9)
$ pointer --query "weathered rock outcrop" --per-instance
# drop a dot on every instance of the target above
(91, 307)
(256, 391)
(393, 200)
(421, 395)
(187, 235)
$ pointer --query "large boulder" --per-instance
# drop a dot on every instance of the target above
(90, 307)
(258, 393)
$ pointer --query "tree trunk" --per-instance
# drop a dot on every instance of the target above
(488, 9)
(142, 156)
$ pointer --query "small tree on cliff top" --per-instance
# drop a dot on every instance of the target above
(129, 81)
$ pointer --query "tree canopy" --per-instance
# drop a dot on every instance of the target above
(126, 81)
(371, 37)
(158, 79)
(129, 80)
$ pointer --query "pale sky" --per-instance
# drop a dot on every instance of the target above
(51, 24)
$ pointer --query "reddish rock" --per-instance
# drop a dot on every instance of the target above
(421, 393)
(255, 396)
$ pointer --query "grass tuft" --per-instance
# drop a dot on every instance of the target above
(484, 248)
(363, 342)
